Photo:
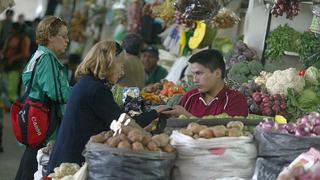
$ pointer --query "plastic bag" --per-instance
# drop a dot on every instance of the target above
(266, 170)
(213, 158)
(109, 163)
(198, 9)
(281, 148)
(225, 19)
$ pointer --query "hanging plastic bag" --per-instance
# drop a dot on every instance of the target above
(225, 19)
(105, 162)
(213, 158)
(198, 9)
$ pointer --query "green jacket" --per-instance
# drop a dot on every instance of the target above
(156, 75)
(43, 82)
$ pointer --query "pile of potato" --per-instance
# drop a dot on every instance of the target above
(135, 139)
(233, 129)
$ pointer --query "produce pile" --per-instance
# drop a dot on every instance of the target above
(241, 52)
(307, 99)
(233, 129)
(135, 139)
(308, 125)
(309, 45)
(283, 38)
(267, 105)
(243, 71)
(280, 81)
(290, 7)
(164, 90)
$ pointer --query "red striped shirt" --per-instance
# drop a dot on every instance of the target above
(227, 101)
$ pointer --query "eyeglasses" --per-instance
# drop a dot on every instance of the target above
(56, 21)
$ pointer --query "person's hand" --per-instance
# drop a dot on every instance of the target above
(177, 111)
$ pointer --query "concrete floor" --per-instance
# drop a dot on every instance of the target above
(10, 158)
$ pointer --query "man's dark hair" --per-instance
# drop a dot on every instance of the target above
(9, 12)
(211, 59)
(133, 43)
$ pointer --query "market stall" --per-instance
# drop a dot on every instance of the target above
(283, 99)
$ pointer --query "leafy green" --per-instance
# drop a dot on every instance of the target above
(293, 109)
(309, 44)
(281, 39)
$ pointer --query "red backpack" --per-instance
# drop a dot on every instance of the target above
(33, 121)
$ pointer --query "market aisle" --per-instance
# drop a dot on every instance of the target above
(10, 158)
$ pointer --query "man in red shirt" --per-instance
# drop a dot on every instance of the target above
(211, 96)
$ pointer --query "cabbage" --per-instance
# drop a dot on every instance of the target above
(311, 75)
(308, 100)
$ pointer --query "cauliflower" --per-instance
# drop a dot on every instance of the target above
(262, 79)
(280, 81)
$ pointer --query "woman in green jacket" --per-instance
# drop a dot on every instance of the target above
(52, 37)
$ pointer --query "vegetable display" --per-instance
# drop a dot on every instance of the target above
(135, 139)
(280, 81)
(290, 7)
(241, 52)
(244, 71)
(283, 38)
(309, 43)
(308, 125)
(233, 129)
(268, 105)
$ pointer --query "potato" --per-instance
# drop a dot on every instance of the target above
(152, 146)
(196, 128)
(236, 124)
(219, 131)
(234, 132)
(161, 139)
(206, 133)
(124, 145)
(135, 135)
(192, 125)
(123, 137)
(137, 146)
(99, 138)
(146, 140)
(115, 141)
(187, 132)
(168, 148)
(126, 129)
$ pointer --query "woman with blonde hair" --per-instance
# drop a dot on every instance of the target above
(52, 38)
(91, 107)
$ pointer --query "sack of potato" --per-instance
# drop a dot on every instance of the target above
(130, 154)
(213, 152)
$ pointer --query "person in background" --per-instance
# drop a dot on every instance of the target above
(21, 19)
(52, 37)
(6, 27)
(73, 63)
(134, 75)
(211, 96)
(15, 54)
(154, 72)
(31, 30)
(91, 107)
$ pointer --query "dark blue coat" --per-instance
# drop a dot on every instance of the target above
(90, 110)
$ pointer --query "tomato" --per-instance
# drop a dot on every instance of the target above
(302, 72)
